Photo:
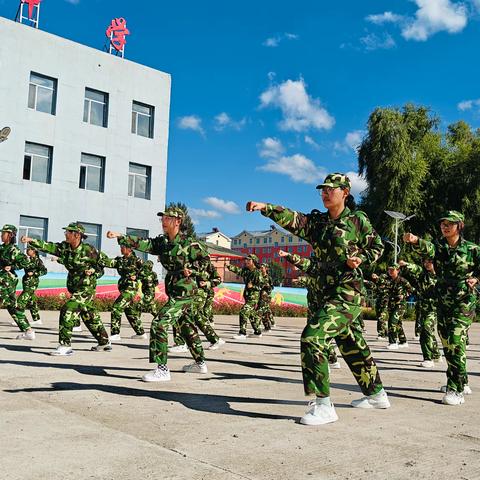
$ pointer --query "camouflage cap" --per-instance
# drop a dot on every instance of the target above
(172, 212)
(254, 258)
(394, 266)
(76, 227)
(266, 265)
(335, 180)
(9, 228)
(453, 216)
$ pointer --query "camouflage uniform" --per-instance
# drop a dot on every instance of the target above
(177, 255)
(11, 256)
(82, 287)
(30, 281)
(398, 291)
(251, 293)
(455, 300)
(128, 267)
(339, 300)
(149, 282)
(264, 304)
(381, 304)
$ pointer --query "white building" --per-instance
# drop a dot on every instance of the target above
(88, 142)
(216, 237)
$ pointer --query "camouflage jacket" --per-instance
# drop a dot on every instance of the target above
(398, 290)
(210, 277)
(77, 261)
(35, 269)
(267, 288)
(253, 279)
(424, 281)
(128, 268)
(149, 280)
(11, 256)
(175, 256)
(333, 241)
(452, 265)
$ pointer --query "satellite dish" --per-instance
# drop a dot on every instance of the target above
(4, 133)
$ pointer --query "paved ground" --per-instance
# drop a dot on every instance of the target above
(89, 417)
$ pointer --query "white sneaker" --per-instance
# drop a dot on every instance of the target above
(240, 336)
(379, 400)
(34, 323)
(26, 335)
(403, 345)
(157, 375)
(335, 365)
(102, 348)
(195, 367)
(142, 336)
(77, 329)
(453, 398)
(216, 345)
(392, 346)
(62, 350)
(427, 364)
(115, 338)
(319, 414)
(178, 348)
(466, 389)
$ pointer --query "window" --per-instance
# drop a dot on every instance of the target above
(35, 227)
(276, 244)
(269, 239)
(265, 240)
(244, 245)
(95, 108)
(290, 239)
(257, 241)
(139, 181)
(139, 233)
(250, 241)
(37, 163)
(94, 232)
(42, 93)
(92, 172)
(142, 119)
(282, 240)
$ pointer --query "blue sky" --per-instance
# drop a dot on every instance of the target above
(269, 96)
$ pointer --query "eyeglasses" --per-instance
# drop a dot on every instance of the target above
(328, 189)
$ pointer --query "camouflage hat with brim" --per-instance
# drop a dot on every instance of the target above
(9, 228)
(335, 180)
(76, 227)
(394, 266)
(264, 265)
(254, 258)
(453, 216)
(174, 212)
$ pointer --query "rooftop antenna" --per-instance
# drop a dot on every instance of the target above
(28, 12)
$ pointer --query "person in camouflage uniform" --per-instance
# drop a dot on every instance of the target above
(264, 304)
(425, 281)
(128, 266)
(209, 279)
(184, 258)
(149, 282)
(254, 282)
(310, 282)
(11, 259)
(84, 265)
(399, 289)
(30, 281)
(381, 304)
(342, 239)
(457, 265)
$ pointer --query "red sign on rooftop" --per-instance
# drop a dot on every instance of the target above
(31, 4)
(117, 31)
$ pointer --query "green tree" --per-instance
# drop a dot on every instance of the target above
(277, 273)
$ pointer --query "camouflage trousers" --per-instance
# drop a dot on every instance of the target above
(201, 319)
(428, 342)
(28, 301)
(418, 318)
(335, 320)
(9, 300)
(125, 302)
(148, 303)
(176, 312)
(395, 324)
(453, 324)
(80, 306)
(265, 311)
(382, 318)
(249, 312)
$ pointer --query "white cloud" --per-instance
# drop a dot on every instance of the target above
(354, 139)
(223, 121)
(310, 141)
(386, 17)
(226, 206)
(273, 42)
(200, 212)
(301, 112)
(270, 148)
(468, 104)
(376, 42)
(298, 167)
(435, 16)
(359, 184)
(191, 122)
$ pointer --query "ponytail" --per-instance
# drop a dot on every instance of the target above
(350, 202)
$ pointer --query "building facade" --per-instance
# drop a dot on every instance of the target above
(88, 142)
(216, 237)
(265, 244)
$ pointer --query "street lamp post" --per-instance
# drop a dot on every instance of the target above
(399, 218)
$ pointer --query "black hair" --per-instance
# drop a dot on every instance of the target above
(350, 202)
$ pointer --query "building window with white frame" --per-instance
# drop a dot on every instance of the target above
(138, 232)
(34, 227)
(37, 163)
(139, 180)
(95, 107)
(42, 93)
(94, 234)
(142, 119)
(92, 172)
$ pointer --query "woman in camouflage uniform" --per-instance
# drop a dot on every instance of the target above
(342, 239)
(264, 304)
(457, 264)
